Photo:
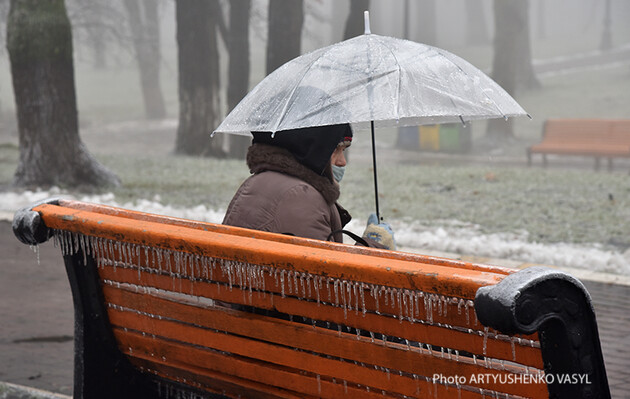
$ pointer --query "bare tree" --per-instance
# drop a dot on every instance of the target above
(198, 64)
(541, 20)
(284, 39)
(477, 23)
(606, 42)
(4, 11)
(96, 24)
(512, 65)
(145, 32)
(426, 16)
(39, 41)
(354, 22)
(239, 64)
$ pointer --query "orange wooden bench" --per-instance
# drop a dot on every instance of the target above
(599, 138)
(167, 307)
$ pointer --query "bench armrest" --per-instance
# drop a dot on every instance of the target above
(558, 307)
(28, 226)
(514, 306)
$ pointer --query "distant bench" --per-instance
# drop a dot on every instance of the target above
(167, 307)
(599, 138)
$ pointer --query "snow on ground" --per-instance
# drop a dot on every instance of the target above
(449, 236)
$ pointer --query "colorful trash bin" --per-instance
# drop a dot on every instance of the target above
(452, 138)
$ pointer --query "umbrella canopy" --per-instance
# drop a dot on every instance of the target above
(371, 78)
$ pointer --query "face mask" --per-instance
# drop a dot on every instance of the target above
(338, 172)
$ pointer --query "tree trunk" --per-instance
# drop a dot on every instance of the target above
(606, 42)
(541, 25)
(355, 25)
(525, 69)
(198, 62)
(145, 32)
(426, 16)
(98, 48)
(477, 24)
(39, 42)
(512, 66)
(238, 74)
(284, 39)
(4, 11)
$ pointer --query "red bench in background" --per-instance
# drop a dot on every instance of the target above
(599, 138)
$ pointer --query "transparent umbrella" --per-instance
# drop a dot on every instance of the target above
(371, 81)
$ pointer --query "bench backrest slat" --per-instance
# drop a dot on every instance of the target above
(576, 131)
(620, 130)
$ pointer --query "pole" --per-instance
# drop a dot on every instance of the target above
(366, 19)
(378, 215)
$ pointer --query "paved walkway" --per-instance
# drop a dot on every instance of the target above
(36, 317)
(613, 316)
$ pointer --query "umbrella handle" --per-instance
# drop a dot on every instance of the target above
(378, 215)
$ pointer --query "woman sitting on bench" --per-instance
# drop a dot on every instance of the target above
(295, 186)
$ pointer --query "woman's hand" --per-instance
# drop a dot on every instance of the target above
(380, 232)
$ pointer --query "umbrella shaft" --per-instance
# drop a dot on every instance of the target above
(378, 215)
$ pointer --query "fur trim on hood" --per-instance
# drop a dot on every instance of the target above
(265, 157)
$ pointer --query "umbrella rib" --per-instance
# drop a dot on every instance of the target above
(399, 77)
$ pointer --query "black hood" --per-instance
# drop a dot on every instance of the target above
(311, 146)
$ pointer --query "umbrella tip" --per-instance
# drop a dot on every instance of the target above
(366, 21)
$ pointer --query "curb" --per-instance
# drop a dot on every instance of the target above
(14, 391)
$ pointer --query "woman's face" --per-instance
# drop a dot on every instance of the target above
(338, 158)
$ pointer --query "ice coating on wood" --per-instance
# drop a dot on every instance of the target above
(411, 306)
(345, 294)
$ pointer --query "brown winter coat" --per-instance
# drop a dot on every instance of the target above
(284, 196)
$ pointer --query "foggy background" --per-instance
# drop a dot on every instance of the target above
(110, 91)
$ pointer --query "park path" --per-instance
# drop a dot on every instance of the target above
(595, 59)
